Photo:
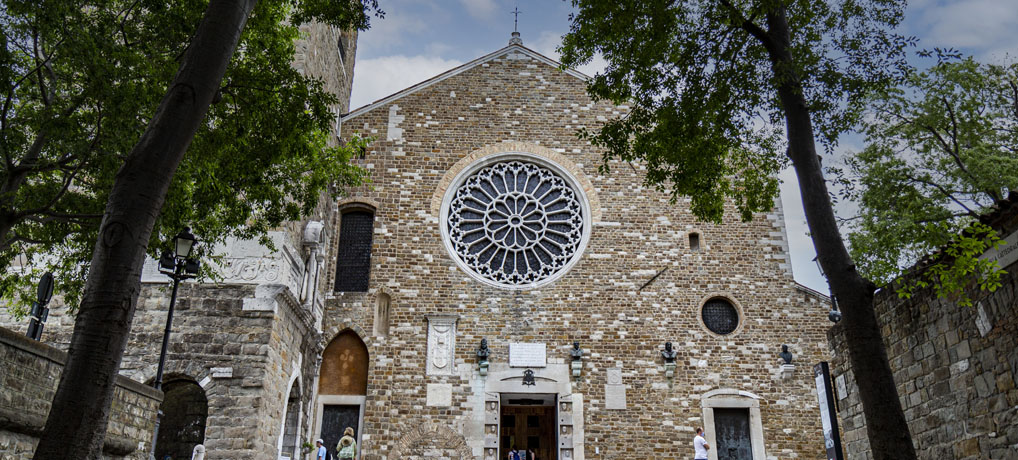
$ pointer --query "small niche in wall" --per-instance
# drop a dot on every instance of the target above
(694, 242)
(382, 309)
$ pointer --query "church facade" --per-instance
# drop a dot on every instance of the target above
(492, 289)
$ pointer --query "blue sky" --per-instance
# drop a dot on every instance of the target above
(419, 39)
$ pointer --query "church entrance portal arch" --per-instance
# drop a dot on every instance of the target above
(547, 414)
(342, 389)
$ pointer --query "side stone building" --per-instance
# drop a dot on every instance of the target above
(956, 368)
(243, 358)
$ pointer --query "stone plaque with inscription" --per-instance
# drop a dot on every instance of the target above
(614, 396)
(441, 345)
(614, 390)
(528, 355)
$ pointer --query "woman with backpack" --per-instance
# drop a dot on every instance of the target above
(347, 447)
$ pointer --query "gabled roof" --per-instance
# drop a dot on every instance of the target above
(458, 70)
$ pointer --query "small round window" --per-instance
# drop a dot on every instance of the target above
(720, 316)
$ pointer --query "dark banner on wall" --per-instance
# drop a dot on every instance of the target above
(832, 437)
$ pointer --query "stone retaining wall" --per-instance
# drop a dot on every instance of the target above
(29, 374)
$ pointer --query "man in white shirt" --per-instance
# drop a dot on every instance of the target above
(320, 453)
(700, 446)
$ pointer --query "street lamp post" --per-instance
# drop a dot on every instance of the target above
(179, 266)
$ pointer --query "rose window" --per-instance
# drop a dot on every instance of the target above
(515, 223)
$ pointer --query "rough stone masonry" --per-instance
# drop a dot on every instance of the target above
(517, 104)
(956, 368)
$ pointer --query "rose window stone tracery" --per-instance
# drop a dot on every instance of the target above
(515, 223)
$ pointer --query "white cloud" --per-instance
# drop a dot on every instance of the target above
(546, 44)
(978, 26)
(391, 32)
(480, 9)
(379, 77)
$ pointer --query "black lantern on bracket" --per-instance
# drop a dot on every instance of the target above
(834, 315)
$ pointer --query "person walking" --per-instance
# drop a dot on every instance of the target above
(321, 453)
(700, 446)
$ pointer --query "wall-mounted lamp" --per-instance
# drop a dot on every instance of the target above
(787, 368)
(577, 364)
(482, 358)
(834, 315)
(669, 356)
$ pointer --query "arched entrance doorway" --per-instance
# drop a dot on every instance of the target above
(185, 411)
(342, 386)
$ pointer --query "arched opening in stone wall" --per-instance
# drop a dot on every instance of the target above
(342, 386)
(185, 411)
(291, 424)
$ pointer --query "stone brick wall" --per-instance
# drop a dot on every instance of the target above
(326, 53)
(955, 369)
(242, 344)
(29, 373)
(517, 102)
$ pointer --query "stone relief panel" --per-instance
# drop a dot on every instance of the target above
(248, 262)
(441, 345)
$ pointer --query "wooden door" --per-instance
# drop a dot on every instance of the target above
(731, 429)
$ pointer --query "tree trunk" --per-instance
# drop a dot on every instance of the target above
(76, 426)
(885, 421)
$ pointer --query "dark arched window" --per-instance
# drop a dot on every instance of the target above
(353, 260)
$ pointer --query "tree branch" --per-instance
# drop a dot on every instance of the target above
(949, 194)
(1014, 97)
(43, 93)
(127, 14)
(19, 174)
(956, 152)
(950, 216)
(752, 28)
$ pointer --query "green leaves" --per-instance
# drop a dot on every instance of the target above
(942, 149)
(81, 82)
(958, 268)
(698, 77)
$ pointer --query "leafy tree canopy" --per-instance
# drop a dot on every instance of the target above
(941, 149)
(705, 116)
(80, 82)
(709, 82)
